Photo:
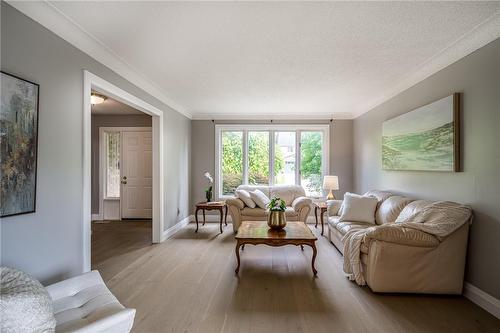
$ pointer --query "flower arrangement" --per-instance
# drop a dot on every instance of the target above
(208, 190)
(276, 205)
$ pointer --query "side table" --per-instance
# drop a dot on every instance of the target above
(322, 207)
(218, 205)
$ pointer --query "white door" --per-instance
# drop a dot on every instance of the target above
(136, 175)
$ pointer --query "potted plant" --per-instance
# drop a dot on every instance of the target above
(208, 190)
(276, 219)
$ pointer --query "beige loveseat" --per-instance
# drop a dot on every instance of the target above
(398, 259)
(297, 205)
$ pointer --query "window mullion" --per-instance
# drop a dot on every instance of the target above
(245, 157)
(297, 157)
(271, 157)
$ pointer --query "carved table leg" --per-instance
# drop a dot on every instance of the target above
(243, 247)
(302, 247)
(221, 218)
(204, 216)
(237, 257)
(315, 252)
(225, 217)
(316, 216)
(322, 222)
(196, 218)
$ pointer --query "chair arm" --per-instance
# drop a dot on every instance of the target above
(394, 233)
(300, 202)
(235, 202)
(73, 285)
(334, 207)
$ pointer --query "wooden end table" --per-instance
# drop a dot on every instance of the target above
(258, 232)
(219, 205)
(322, 207)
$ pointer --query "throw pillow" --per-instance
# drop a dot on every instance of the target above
(357, 208)
(245, 197)
(260, 198)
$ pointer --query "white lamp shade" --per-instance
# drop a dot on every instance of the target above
(331, 183)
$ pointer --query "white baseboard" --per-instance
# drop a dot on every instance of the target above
(96, 217)
(484, 300)
(178, 226)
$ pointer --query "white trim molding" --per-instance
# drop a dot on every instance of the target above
(178, 226)
(482, 299)
(94, 82)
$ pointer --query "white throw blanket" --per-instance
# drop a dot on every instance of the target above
(439, 219)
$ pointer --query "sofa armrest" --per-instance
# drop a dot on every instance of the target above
(393, 233)
(235, 202)
(334, 207)
(71, 286)
(300, 202)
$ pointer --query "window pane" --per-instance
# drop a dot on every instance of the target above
(284, 158)
(258, 158)
(113, 165)
(311, 153)
(232, 161)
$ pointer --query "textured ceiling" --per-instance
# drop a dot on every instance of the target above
(276, 59)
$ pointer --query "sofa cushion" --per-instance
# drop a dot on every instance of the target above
(245, 197)
(412, 208)
(287, 192)
(358, 208)
(260, 199)
(250, 188)
(247, 211)
(390, 208)
(344, 227)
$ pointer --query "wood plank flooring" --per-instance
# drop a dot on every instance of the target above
(187, 284)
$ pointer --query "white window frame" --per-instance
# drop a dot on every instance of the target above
(298, 129)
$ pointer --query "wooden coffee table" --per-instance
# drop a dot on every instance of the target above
(257, 232)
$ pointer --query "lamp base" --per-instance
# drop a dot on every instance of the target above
(330, 196)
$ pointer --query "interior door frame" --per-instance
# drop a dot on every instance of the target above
(96, 83)
(102, 161)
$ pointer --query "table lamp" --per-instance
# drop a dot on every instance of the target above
(330, 183)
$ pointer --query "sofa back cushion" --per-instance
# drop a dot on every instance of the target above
(249, 188)
(260, 199)
(245, 197)
(357, 208)
(412, 208)
(389, 210)
(287, 192)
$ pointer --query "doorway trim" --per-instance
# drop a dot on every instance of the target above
(94, 82)
(102, 163)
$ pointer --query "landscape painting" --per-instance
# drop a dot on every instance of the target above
(425, 139)
(18, 145)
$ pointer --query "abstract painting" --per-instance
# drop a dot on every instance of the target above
(425, 139)
(18, 145)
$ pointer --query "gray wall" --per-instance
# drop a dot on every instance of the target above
(477, 76)
(48, 243)
(203, 152)
(131, 120)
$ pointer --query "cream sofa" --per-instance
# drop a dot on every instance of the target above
(398, 259)
(298, 206)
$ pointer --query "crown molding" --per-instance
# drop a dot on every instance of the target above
(260, 116)
(479, 36)
(60, 24)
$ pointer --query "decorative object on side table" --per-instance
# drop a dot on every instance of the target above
(330, 183)
(18, 145)
(276, 219)
(208, 191)
(425, 139)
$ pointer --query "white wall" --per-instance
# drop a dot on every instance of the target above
(48, 243)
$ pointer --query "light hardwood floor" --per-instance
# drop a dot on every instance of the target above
(187, 284)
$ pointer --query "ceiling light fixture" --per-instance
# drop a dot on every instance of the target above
(97, 99)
